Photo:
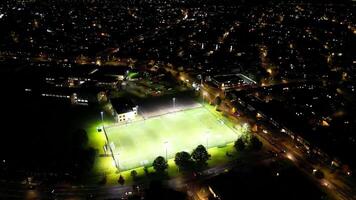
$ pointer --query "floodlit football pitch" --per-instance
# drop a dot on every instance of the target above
(139, 143)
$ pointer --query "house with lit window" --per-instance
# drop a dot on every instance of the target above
(232, 81)
(124, 110)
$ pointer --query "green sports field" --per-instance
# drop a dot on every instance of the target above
(139, 143)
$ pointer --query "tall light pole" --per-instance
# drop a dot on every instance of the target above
(204, 96)
(207, 140)
(102, 122)
(174, 103)
(166, 147)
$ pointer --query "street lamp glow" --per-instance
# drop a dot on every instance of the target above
(205, 93)
(325, 183)
(290, 156)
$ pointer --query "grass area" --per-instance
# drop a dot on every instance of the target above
(104, 165)
(139, 143)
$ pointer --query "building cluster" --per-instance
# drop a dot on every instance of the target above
(319, 118)
(81, 53)
(278, 41)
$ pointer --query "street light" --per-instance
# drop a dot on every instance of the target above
(290, 156)
(166, 147)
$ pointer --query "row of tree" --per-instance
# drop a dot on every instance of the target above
(248, 142)
(185, 161)
(198, 159)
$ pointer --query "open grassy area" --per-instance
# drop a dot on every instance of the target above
(139, 143)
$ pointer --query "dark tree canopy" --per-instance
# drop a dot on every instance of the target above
(121, 180)
(239, 145)
(217, 101)
(256, 144)
(133, 174)
(183, 160)
(160, 164)
(319, 174)
(80, 138)
(200, 155)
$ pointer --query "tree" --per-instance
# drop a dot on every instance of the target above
(217, 101)
(79, 139)
(160, 164)
(239, 145)
(133, 174)
(183, 160)
(103, 180)
(83, 161)
(145, 169)
(201, 155)
(121, 180)
(256, 144)
(319, 174)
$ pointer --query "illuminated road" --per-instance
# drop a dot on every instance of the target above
(338, 190)
(20, 191)
(333, 183)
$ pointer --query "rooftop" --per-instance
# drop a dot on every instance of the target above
(122, 105)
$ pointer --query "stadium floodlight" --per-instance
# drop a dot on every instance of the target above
(102, 122)
(166, 147)
(174, 102)
(207, 140)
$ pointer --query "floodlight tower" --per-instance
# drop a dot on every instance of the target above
(102, 122)
(166, 148)
(174, 103)
(207, 140)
